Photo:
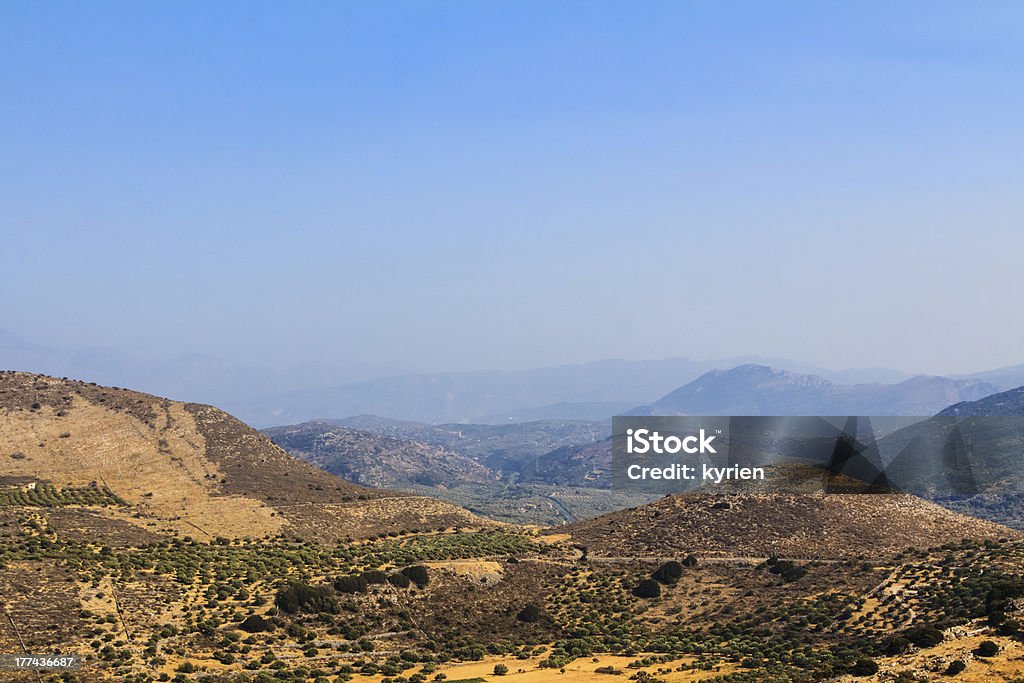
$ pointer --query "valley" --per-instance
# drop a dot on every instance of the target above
(161, 541)
(511, 473)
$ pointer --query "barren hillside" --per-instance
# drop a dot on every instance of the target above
(184, 469)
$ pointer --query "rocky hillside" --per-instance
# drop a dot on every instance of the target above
(505, 447)
(181, 469)
(376, 460)
(806, 526)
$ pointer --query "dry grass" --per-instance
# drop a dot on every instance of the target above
(580, 671)
(931, 663)
(161, 470)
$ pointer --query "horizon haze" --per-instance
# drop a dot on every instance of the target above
(344, 192)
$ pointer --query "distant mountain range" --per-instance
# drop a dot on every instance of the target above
(761, 390)
(590, 391)
(187, 377)
(500, 471)
(596, 391)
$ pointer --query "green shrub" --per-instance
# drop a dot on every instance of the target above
(668, 573)
(351, 584)
(787, 570)
(924, 636)
(529, 614)
(417, 574)
(864, 667)
(648, 588)
(296, 597)
(611, 670)
(399, 579)
(256, 623)
(896, 645)
(955, 667)
(375, 576)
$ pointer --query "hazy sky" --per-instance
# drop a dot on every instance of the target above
(464, 185)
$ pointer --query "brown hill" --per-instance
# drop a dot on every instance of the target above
(182, 469)
(789, 525)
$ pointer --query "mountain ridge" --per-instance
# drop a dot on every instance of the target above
(761, 390)
(493, 396)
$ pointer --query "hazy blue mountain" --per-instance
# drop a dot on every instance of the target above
(587, 391)
(1003, 378)
(592, 412)
(761, 390)
(466, 396)
(189, 377)
(591, 391)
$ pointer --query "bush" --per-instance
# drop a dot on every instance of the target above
(896, 645)
(351, 584)
(955, 667)
(256, 623)
(297, 597)
(924, 636)
(529, 614)
(375, 576)
(417, 574)
(787, 570)
(500, 669)
(864, 667)
(987, 648)
(668, 573)
(648, 588)
(399, 579)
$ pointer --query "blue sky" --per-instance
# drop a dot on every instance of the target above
(456, 185)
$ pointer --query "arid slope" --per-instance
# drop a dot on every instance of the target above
(185, 469)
